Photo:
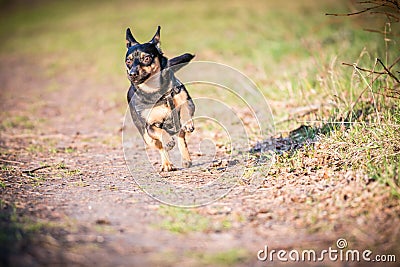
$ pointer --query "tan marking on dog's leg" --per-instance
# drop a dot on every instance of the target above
(166, 164)
(186, 118)
(160, 134)
(186, 108)
(183, 149)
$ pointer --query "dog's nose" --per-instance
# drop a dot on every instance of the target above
(134, 72)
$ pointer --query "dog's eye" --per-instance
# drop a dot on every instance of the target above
(147, 59)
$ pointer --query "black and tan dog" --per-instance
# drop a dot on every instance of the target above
(159, 103)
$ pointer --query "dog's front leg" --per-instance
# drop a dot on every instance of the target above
(183, 149)
(166, 164)
(163, 142)
(160, 134)
(186, 112)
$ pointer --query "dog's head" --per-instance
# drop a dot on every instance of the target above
(143, 60)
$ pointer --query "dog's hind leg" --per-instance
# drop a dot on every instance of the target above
(183, 149)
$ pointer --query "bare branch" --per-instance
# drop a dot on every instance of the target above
(388, 15)
(381, 32)
(392, 12)
(362, 69)
(388, 71)
(393, 4)
(392, 93)
(355, 13)
(35, 169)
(11, 161)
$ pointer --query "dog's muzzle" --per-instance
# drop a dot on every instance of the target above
(133, 73)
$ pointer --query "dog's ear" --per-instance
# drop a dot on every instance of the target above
(178, 62)
(130, 40)
(156, 39)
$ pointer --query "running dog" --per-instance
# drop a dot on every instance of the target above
(159, 103)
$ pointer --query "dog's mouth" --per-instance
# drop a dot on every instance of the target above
(138, 79)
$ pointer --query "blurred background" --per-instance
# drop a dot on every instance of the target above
(292, 50)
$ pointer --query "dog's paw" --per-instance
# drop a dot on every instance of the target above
(186, 163)
(168, 146)
(188, 127)
(167, 167)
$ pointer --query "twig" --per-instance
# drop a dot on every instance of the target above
(362, 69)
(391, 92)
(382, 32)
(372, 93)
(11, 161)
(385, 3)
(388, 71)
(392, 95)
(36, 169)
(394, 62)
(388, 15)
(355, 13)
(366, 88)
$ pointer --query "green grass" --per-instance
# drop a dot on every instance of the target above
(64, 171)
(22, 122)
(221, 258)
(7, 168)
(369, 145)
(36, 180)
(372, 147)
(15, 227)
(35, 148)
(182, 221)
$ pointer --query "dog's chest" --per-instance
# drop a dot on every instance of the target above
(161, 116)
(156, 114)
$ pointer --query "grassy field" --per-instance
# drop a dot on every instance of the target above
(290, 49)
(272, 40)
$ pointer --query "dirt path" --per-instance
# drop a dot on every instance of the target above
(84, 207)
